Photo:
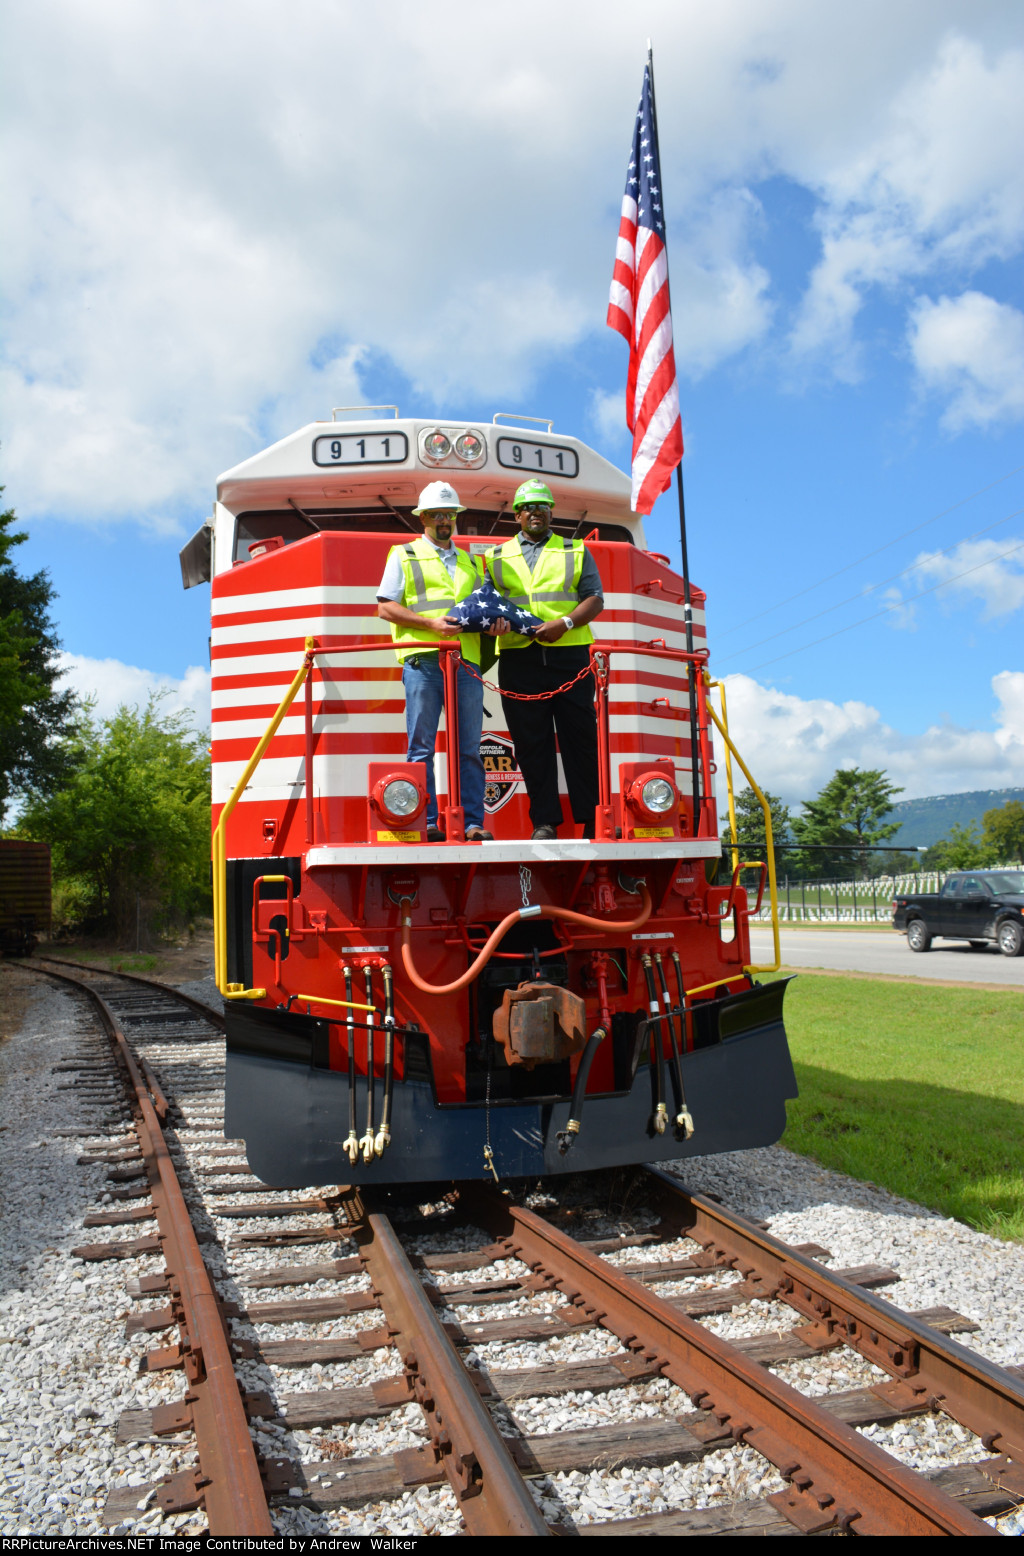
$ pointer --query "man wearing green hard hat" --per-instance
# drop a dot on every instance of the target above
(556, 579)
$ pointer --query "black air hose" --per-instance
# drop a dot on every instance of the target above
(567, 1135)
(384, 1133)
(660, 1110)
(684, 1119)
(351, 1147)
(368, 1141)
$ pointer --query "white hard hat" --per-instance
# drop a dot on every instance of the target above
(439, 494)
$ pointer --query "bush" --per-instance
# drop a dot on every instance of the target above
(132, 823)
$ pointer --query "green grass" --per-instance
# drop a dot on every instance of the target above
(133, 964)
(919, 1089)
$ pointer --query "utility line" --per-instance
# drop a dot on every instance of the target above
(861, 593)
(868, 555)
(885, 610)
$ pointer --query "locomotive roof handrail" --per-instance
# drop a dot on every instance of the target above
(336, 408)
(516, 420)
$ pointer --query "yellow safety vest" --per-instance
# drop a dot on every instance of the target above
(549, 592)
(430, 590)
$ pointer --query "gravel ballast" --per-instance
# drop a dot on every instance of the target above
(67, 1373)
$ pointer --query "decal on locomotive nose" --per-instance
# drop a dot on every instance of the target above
(502, 776)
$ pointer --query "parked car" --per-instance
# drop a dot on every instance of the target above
(980, 906)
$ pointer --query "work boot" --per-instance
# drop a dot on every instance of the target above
(544, 835)
(479, 835)
(434, 833)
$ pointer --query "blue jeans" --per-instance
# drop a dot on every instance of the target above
(424, 704)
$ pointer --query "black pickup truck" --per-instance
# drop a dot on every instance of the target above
(981, 906)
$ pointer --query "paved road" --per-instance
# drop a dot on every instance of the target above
(885, 951)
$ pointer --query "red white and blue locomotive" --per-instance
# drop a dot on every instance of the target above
(401, 1010)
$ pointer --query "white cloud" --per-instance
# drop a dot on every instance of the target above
(970, 349)
(902, 616)
(940, 184)
(199, 196)
(979, 570)
(110, 683)
(793, 745)
(607, 412)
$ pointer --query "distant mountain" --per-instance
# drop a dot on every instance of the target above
(925, 821)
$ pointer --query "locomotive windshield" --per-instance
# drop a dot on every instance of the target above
(293, 524)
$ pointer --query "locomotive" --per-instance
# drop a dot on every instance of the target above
(401, 1010)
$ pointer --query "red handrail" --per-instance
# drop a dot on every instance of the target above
(600, 660)
(455, 823)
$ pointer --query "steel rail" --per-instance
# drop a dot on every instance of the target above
(228, 1484)
(208, 1013)
(977, 1393)
(492, 1495)
(837, 1478)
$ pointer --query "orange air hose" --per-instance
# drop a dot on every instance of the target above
(600, 925)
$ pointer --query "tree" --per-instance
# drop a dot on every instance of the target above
(35, 717)
(963, 849)
(847, 815)
(133, 818)
(750, 833)
(1004, 832)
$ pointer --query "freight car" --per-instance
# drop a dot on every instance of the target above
(400, 1010)
(24, 895)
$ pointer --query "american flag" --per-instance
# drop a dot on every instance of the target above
(638, 307)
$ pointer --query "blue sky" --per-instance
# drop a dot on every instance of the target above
(229, 217)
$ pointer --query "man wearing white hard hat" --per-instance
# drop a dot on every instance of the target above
(423, 580)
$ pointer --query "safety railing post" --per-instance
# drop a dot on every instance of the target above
(309, 757)
(703, 827)
(454, 815)
(729, 789)
(604, 820)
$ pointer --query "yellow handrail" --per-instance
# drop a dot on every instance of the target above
(238, 991)
(769, 845)
(728, 773)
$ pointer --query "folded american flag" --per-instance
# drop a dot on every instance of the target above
(478, 611)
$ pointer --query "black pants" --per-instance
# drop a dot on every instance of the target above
(534, 725)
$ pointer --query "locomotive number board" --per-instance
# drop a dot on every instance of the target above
(360, 448)
(514, 454)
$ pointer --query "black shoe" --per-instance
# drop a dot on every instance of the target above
(435, 835)
(479, 835)
(544, 835)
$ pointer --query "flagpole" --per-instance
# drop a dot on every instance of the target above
(687, 600)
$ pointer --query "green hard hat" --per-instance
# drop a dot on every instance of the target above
(532, 491)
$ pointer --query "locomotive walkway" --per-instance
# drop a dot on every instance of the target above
(411, 1314)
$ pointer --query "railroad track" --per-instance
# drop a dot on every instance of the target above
(426, 1414)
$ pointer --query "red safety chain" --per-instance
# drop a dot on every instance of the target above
(528, 696)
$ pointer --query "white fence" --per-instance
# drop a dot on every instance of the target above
(846, 902)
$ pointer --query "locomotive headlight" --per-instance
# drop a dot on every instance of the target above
(657, 795)
(469, 446)
(436, 445)
(401, 798)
